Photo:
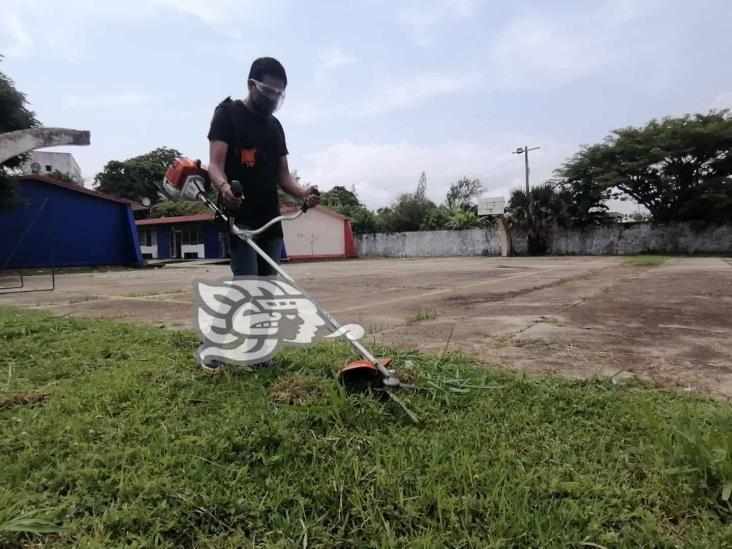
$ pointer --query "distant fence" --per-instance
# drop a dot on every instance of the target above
(615, 239)
(638, 238)
(429, 243)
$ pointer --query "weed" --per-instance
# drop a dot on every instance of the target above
(420, 316)
(646, 260)
(134, 447)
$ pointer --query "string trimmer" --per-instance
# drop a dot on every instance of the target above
(187, 179)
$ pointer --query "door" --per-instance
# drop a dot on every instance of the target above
(175, 244)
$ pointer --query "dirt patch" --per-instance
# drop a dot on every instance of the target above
(578, 317)
(21, 399)
(296, 392)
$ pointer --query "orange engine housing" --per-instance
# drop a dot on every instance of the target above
(181, 169)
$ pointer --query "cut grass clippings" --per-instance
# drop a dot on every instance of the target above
(646, 260)
(133, 446)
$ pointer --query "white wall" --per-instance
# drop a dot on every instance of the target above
(152, 250)
(193, 249)
(63, 162)
(430, 243)
(326, 230)
(636, 238)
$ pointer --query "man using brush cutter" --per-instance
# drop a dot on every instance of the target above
(241, 320)
(247, 144)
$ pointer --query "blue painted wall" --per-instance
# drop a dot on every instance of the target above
(211, 241)
(70, 229)
(163, 241)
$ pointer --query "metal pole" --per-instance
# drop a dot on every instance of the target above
(525, 151)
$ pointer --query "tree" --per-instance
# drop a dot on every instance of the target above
(536, 213)
(347, 203)
(136, 178)
(436, 219)
(174, 208)
(678, 168)
(340, 199)
(61, 176)
(464, 193)
(14, 115)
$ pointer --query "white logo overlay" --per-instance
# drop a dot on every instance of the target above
(244, 320)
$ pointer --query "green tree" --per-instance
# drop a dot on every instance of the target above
(174, 208)
(14, 115)
(61, 176)
(461, 218)
(537, 213)
(464, 193)
(678, 168)
(136, 178)
(436, 219)
(408, 212)
(340, 199)
(347, 203)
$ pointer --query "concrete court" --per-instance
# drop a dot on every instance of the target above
(575, 316)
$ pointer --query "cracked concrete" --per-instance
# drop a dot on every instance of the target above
(574, 316)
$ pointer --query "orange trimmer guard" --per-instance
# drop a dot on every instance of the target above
(362, 374)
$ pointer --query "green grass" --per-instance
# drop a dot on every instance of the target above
(646, 260)
(110, 437)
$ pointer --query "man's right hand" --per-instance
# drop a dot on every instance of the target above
(231, 201)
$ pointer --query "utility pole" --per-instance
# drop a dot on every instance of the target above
(525, 151)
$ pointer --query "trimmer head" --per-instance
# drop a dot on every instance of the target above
(363, 376)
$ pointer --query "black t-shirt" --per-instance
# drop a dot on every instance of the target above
(256, 143)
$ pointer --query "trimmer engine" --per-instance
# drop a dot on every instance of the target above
(185, 179)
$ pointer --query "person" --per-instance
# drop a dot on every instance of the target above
(247, 143)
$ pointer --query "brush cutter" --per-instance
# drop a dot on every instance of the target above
(187, 179)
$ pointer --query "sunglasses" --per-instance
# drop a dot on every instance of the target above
(268, 91)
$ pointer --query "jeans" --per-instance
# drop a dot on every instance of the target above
(246, 262)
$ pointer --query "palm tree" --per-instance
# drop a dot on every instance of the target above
(537, 213)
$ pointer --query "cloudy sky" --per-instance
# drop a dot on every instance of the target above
(379, 90)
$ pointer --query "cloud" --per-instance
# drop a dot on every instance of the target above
(30, 27)
(548, 50)
(413, 91)
(386, 97)
(420, 18)
(335, 58)
(15, 40)
(536, 52)
(381, 171)
(722, 101)
(88, 101)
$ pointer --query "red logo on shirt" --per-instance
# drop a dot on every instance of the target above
(249, 157)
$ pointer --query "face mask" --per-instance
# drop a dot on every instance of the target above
(266, 99)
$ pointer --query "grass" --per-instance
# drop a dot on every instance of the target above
(421, 316)
(124, 442)
(646, 260)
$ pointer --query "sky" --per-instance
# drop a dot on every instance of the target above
(378, 91)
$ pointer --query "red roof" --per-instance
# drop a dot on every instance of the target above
(77, 188)
(175, 219)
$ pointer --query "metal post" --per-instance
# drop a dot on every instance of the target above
(525, 151)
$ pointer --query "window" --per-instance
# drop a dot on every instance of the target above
(146, 237)
(48, 168)
(190, 234)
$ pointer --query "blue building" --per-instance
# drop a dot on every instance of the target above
(322, 234)
(59, 224)
(181, 237)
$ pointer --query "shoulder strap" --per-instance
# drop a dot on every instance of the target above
(229, 105)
